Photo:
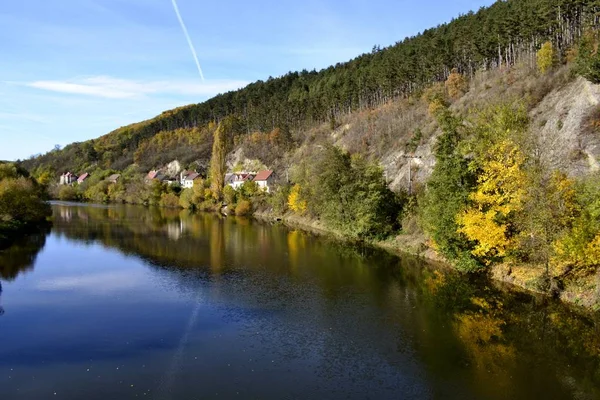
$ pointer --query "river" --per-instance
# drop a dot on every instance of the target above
(123, 302)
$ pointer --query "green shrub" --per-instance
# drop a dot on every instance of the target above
(67, 193)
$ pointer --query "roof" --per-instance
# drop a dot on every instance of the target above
(83, 177)
(263, 176)
(243, 177)
(191, 177)
(113, 177)
(229, 178)
(152, 174)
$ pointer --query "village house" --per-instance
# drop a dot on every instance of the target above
(68, 178)
(264, 180)
(188, 178)
(237, 180)
(113, 178)
(83, 178)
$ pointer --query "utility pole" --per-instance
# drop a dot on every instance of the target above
(410, 158)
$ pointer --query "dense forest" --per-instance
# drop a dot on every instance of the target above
(504, 34)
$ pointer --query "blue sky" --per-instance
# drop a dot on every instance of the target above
(72, 70)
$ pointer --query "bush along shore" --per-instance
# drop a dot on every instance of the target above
(23, 206)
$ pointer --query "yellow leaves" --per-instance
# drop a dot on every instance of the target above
(592, 253)
(295, 201)
(483, 227)
(545, 57)
(500, 192)
(435, 282)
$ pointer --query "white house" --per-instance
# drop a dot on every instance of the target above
(187, 180)
(237, 180)
(68, 178)
(264, 180)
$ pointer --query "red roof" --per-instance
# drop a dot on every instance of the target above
(193, 176)
(263, 176)
(152, 174)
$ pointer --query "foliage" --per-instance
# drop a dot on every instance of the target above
(500, 35)
(351, 195)
(21, 201)
(447, 194)
(249, 189)
(456, 84)
(279, 199)
(217, 162)
(436, 97)
(169, 200)
(67, 193)
(545, 57)
(579, 246)
(587, 62)
(229, 195)
(498, 196)
(295, 201)
(243, 208)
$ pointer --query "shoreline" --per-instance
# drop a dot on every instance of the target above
(520, 278)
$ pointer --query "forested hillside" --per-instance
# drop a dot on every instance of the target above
(476, 142)
(505, 34)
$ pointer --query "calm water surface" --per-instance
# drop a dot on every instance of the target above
(126, 302)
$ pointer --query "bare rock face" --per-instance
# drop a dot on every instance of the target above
(173, 168)
(566, 127)
(564, 123)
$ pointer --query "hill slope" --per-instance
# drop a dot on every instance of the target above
(502, 35)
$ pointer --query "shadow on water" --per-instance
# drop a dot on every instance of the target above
(498, 343)
(21, 255)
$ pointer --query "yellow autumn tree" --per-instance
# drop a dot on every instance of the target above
(456, 84)
(499, 194)
(545, 57)
(295, 201)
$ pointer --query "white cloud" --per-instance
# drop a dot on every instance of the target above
(114, 88)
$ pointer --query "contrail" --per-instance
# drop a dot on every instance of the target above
(166, 384)
(187, 36)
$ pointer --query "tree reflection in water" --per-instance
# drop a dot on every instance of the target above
(20, 257)
(1, 308)
(499, 336)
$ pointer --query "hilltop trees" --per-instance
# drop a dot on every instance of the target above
(502, 35)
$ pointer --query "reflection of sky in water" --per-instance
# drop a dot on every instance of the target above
(91, 320)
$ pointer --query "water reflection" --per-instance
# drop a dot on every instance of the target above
(21, 255)
(335, 320)
(1, 308)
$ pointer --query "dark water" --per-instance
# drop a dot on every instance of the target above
(125, 302)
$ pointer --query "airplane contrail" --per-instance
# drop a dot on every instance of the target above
(187, 36)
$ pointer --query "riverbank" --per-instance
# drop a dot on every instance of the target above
(582, 292)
